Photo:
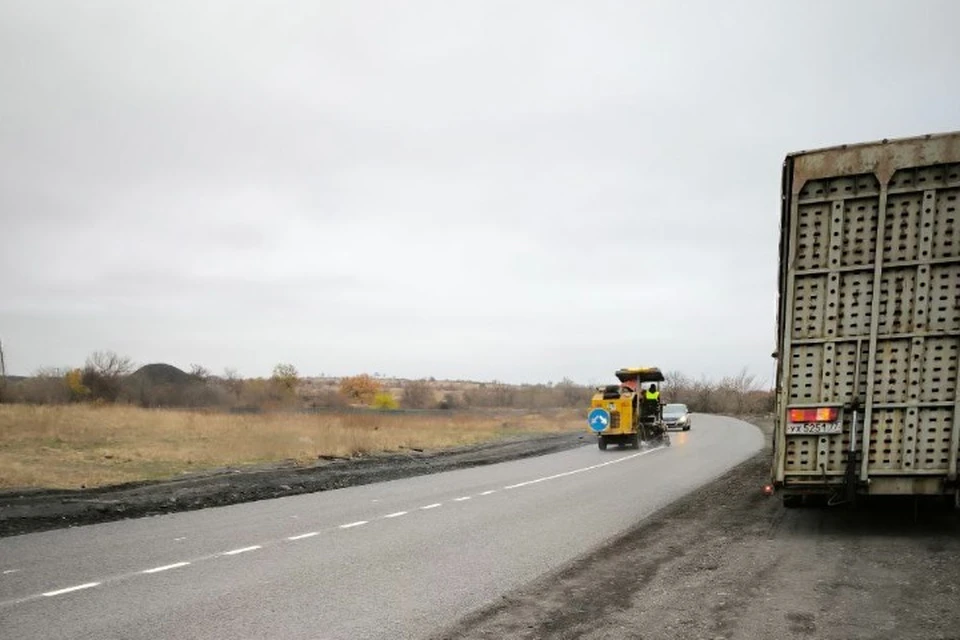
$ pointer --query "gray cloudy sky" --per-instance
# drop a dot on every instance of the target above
(456, 189)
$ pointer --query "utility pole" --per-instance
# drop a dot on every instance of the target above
(3, 374)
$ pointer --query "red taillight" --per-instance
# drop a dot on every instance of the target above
(825, 414)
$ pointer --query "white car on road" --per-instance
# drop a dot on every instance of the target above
(676, 416)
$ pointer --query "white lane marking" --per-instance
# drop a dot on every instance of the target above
(242, 550)
(294, 517)
(431, 506)
(396, 515)
(462, 499)
(486, 493)
(304, 535)
(181, 539)
(580, 470)
(175, 565)
(353, 524)
(9, 571)
(69, 589)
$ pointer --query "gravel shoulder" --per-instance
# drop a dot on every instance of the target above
(28, 511)
(728, 562)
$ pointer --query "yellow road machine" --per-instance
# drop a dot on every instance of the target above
(620, 414)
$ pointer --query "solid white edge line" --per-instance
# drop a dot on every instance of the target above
(353, 524)
(462, 499)
(243, 550)
(175, 565)
(304, 535)
(69, 589)
(397, 514)
(431, 506)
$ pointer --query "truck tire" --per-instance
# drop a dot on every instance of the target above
(602, 443)
(635, 441)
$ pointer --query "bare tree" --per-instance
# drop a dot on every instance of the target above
(417, 394)
(109, 364)
(199, 372)
(742, 385)
(286, 378)
(233, 382)
(103, 374)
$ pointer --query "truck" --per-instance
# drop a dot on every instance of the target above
(868, 322)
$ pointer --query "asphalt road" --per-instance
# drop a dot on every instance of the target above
(388, 560)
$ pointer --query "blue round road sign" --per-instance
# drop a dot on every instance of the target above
(599, 419)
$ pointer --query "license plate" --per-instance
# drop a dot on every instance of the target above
(814, 428)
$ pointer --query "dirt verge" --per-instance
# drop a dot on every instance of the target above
(28, 511)
(727, 562)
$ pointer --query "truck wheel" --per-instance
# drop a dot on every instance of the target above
(635, 441)
(602, 443)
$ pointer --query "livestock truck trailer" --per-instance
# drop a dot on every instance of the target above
(868, 322)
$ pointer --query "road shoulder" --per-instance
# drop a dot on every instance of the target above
(728, 562)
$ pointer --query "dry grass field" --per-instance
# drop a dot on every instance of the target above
(72, 446)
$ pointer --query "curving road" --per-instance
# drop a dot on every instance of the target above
(398, 559)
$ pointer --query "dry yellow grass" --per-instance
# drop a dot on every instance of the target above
(78, 445)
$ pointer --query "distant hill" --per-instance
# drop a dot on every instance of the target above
(162, 374)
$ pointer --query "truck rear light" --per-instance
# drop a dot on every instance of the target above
(824, 414)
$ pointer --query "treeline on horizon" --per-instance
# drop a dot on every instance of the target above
(109, 378)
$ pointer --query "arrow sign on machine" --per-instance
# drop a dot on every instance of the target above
(598, 419)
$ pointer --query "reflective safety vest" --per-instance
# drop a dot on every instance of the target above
(652, 395)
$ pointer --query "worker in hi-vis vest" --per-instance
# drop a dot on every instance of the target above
(652, 393)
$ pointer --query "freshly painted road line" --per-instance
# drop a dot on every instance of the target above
(175, 565)
(79, 587)
(304, 535)
(241, 550)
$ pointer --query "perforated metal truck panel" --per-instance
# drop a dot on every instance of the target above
(870, 308)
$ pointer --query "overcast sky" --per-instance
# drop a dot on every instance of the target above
(487, 190)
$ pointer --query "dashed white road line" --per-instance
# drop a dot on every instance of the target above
(580, 470)
(311, 534)
(304, 535)
(241, 550)
(59, 592)
(175, 565)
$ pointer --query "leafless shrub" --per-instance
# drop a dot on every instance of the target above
(417, 394)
